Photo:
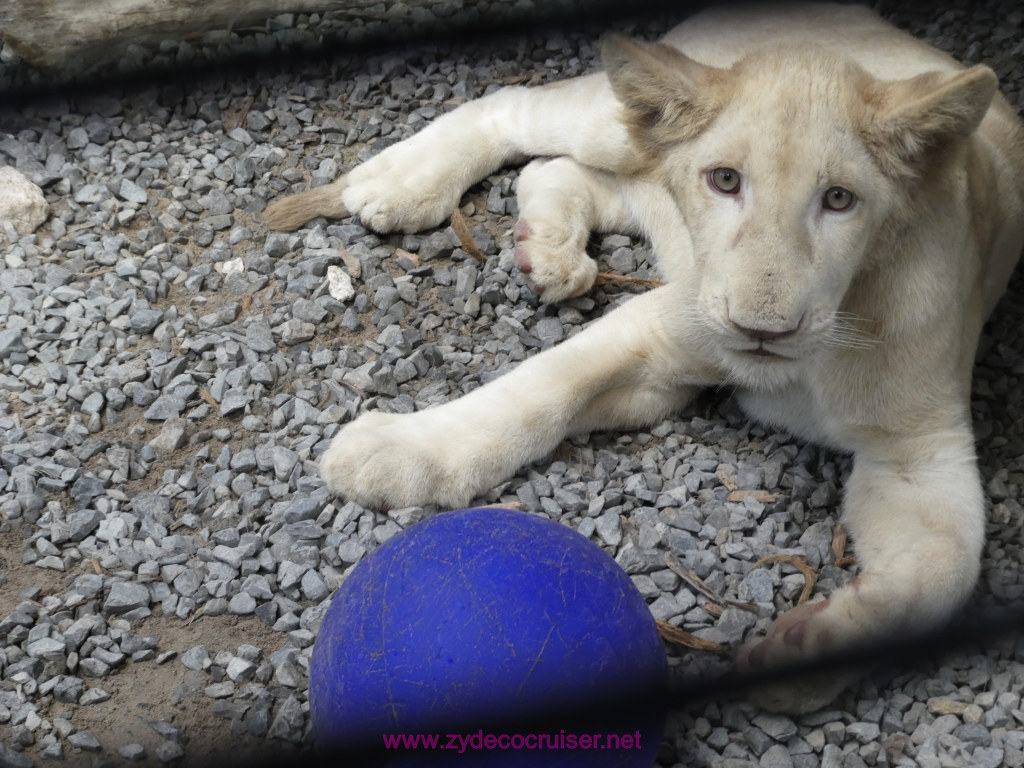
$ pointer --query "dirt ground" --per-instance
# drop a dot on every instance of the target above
(145, 692)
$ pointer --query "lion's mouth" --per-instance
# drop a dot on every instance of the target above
(764, 353)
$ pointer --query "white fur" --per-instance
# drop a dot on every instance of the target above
(884, 302)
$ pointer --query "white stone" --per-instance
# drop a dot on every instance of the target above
(233, 266)
(21, 202)
(339, 284)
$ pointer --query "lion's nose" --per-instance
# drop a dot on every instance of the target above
(765, 333)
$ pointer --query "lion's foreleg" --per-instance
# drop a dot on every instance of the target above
(621, 370)
(416, 183)
(915, 509)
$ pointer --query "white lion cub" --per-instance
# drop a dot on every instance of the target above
(834, 222)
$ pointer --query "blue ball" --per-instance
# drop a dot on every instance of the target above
(478, 619)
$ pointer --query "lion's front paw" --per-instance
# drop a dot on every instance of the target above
(801, 634)
(557, 266)
(396, 191)
(388, 461)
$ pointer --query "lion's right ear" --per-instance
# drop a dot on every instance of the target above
(668, 96)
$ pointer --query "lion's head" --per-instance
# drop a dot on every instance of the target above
(790, 169)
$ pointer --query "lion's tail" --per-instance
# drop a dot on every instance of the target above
(292, 212)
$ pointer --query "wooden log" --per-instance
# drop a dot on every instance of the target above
(61, 36)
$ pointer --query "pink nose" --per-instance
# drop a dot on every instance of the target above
(762, 334)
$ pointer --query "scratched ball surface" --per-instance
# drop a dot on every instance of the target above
(489, 623)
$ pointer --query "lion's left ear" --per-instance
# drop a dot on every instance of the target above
(910, 119)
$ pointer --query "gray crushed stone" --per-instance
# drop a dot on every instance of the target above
(170, 373)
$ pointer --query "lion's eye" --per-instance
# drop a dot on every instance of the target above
(838, 199)
(724, 180)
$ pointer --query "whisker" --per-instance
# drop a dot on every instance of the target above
(848, 331)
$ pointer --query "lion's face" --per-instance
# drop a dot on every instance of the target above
(782, 200)
(786, 169)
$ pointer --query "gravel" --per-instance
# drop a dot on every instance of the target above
(170, 373)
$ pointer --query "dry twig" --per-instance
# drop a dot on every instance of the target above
(677, 636)
(714, 610)
(207, 398)
(762, 496)
(235, 118)
(842, 560)
(465, 236)
(695, 581)
(800, 563)
(352, 265)
(604, 278)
